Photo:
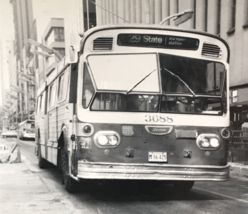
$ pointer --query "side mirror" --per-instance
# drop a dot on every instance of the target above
(73, 54)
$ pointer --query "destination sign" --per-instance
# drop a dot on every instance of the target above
(157, 41)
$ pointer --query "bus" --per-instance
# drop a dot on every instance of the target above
(137, 102)
(26, 129)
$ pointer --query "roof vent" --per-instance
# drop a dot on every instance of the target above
(103, 43)
(211, 50)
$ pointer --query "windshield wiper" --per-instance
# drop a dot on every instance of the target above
(130, 90)
(170, 72)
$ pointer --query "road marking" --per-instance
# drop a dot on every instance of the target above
(243, 186)
(32, 143)
(225, 196)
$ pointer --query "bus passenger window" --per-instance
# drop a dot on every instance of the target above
(63, 85)
(60, 87)
(52, 96)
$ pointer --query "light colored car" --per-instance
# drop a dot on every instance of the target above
(9, 133)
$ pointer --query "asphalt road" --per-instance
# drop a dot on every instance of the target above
(143, 197)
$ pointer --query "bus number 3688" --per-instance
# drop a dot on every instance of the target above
(158, 118)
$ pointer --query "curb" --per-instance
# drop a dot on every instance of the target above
(238, 170)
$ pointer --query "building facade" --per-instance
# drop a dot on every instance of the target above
(53, 38)
(80, 15)
(23, 20)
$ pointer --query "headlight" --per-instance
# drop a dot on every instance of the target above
(107, 139)
(208, 141)
(204, 142)
(102, 140)
(113, 140)
(214, 142)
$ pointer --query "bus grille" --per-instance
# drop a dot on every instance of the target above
(211, 50)
(103, 43)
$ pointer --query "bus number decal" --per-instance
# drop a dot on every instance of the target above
(135, 39)
(157, 119)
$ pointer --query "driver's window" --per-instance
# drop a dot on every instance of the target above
(88, 88)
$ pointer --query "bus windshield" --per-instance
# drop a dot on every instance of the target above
(188, 85)
(123, 71)
(191, 76)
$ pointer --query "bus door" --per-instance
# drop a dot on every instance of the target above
(65, 109)
(52, 124)
(40, 124)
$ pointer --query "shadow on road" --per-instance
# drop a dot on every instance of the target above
(126, 191)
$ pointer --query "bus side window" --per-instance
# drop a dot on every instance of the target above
(61, 87)
(38, 105)
(42, 103)
(52, 93)
(66, 83)
(88, 88)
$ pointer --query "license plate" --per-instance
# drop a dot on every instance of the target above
(157, 157)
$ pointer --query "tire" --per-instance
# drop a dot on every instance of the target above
(183, 186)
(71, 185)
(43, 164)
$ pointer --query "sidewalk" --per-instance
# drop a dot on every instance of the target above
(23, 191)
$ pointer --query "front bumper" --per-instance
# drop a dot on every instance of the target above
(151, 172)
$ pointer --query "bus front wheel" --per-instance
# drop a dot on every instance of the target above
(71, 185)
(41, 161)
(183, 186)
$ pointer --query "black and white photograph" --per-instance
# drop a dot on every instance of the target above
(124, 106)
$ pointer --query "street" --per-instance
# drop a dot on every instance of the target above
(129, 196)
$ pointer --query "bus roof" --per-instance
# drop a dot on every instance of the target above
(149, 27)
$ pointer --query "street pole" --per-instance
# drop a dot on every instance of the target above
(179, 18)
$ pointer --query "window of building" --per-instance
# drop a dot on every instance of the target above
(246, 15)
(194, 14)
(89, 11)
(177, 6)
(206, 16)
(233, 18)
(218, 17)
(59, 34)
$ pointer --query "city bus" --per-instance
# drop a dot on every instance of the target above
(137, 102)
(26, 129)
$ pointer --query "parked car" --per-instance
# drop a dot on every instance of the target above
(9, 133)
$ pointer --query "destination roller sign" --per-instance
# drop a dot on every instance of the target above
(157, 41)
